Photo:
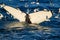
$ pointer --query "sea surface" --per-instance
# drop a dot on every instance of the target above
(12, 29)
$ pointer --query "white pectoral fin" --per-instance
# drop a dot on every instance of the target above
(40, 16)
(15, 13)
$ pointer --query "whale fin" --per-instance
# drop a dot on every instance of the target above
(40, 16)
(36, 17)
(15, 13)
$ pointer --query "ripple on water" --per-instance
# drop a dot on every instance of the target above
(29, 32)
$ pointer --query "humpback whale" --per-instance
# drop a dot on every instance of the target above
(36, 17)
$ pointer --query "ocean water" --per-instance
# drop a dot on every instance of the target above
(12, 29)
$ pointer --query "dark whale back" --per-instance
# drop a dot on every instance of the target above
(27, 20)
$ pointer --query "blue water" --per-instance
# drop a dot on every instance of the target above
(48, 30)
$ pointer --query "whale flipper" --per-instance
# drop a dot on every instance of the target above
(40, 16)
(15, 13)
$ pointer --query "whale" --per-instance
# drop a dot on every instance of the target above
(36, 17)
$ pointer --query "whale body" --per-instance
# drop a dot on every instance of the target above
(36, 17)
